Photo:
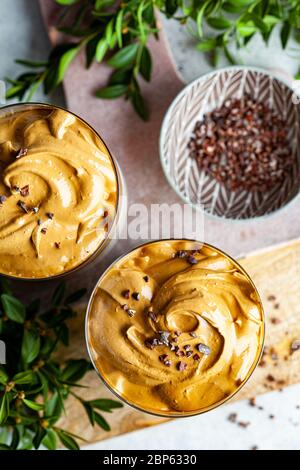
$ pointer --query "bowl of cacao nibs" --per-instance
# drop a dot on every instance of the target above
(229, 143)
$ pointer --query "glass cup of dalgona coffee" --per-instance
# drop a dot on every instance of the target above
(175, 327)
(60, 192)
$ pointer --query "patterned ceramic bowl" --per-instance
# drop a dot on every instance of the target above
(195, 186)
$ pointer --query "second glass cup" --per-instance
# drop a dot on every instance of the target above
(175, 327)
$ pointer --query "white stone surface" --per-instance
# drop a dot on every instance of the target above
(213, 431)
(22, 35)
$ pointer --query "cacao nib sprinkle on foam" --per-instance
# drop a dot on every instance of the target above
(152, 316)
(131, 312)
(191, 259)
(126, 294)
(23, 206)
(164, 335)
(295, 346)
(181, 366)
(24, 191)
(21, 153)
(202, 348)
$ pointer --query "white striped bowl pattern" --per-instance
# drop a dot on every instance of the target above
(201, 96)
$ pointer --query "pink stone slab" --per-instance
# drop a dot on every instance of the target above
(134, 144)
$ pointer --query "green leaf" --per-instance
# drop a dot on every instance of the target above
(4, 434)
(39, 436)
(15, 438)
(218, 22)
(75, 370)
(119, 27)
(171, 7)
(75, 296)
(146, 64)
(4, 408)
(140, 21)
(56, 318)
(66, 2)
(149, 14)
(33, 308)
(109, 32)
(199, 18)
(33, 405)
(100, 4)
(3, 376)
(67, 440)
(101, 49)
(90, 51)
(111, 92)
(259, 23)
(13, 308)
(240, 3)
(5, 447)
(206, 45)
(124, 57)
(105, 404)
(26, 420)
(246, 29)
(64, 63)
(50, 79)
(215, 56)
(34, 391)
(31, 63)
(231, 8)
(271, 20)
(33, 88)
(64, 334)
(285, 33)
(59, 294)
(101, 422)
(139, 104)
(23, 377)
(121, 76)
(45, 386)
(31, 344)
(48, 346)
(90, 412)
(49, 440)
(228, 55)
(5, 286)
(53, 406)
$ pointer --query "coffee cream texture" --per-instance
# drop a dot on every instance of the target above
(58, 192)
(193, 302)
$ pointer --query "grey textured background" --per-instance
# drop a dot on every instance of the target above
(22, 35)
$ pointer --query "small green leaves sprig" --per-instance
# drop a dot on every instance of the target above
(118, 32)
(33, 384)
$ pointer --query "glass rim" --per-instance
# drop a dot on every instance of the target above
(172, 415)
(118, 179)
(164, 127)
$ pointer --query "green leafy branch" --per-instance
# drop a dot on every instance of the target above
(118, 33)
(33, 384)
